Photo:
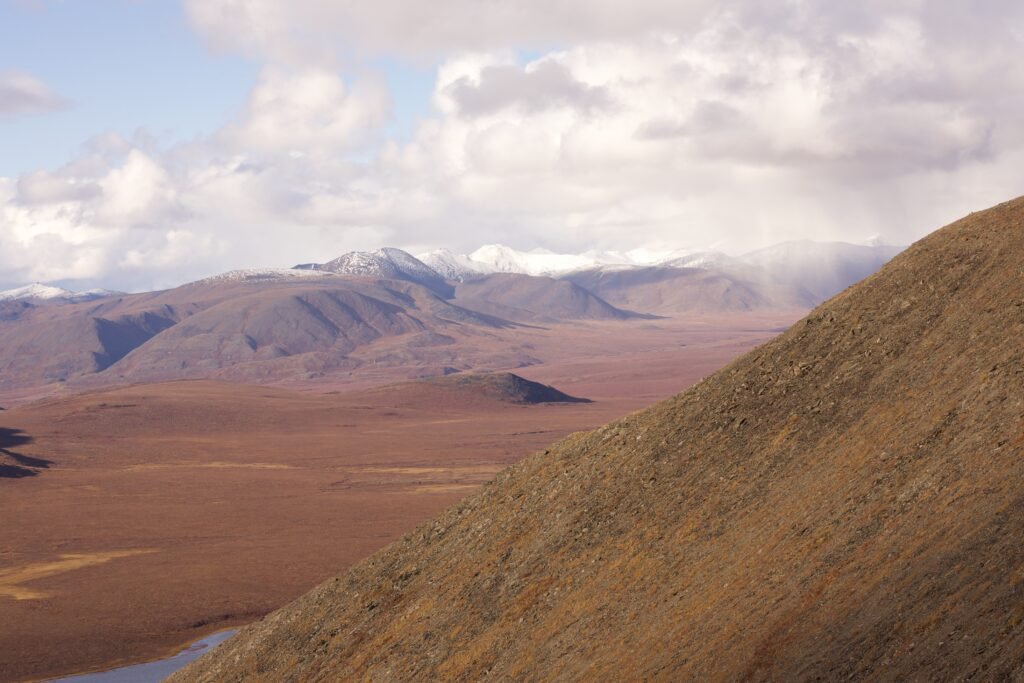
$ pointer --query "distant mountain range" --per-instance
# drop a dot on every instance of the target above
(497, 258)
(790, 274)
(821, 268)
(841, 257)
(364, 312)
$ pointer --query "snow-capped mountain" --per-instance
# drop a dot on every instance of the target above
(262, 275)
(501, 259)
(452, 266)
(498, 258)
(35, 290)
(40, 292)
(93, 294)
(389, 263)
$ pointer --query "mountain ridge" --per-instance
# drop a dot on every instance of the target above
(243, 328)
(536, 299)
(38, 291)
(386, 262)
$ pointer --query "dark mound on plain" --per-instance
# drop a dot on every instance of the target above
(506, 386)
(844, 502)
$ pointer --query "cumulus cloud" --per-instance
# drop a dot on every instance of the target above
(44, 187)
(731, 124)
(22, 93)
(542, 85)
(291, 110)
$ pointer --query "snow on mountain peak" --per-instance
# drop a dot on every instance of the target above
(409, 264)
(35, 290)
(40, 292)
(389, 263)
(385, 262)
(261, 275)
(502, 259)
(452, 266)
(499, 258)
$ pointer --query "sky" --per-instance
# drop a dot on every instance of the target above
(147, 143)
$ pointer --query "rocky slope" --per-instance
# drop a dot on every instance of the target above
(843, 502)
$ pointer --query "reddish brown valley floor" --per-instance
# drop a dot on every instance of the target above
(152, 515)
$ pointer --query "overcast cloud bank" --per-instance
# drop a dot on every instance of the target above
(723, 125)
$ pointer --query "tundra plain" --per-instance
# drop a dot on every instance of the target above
(141, 518)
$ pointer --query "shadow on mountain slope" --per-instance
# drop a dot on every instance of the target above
(18, 465)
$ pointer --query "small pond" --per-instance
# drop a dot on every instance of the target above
(151, 672)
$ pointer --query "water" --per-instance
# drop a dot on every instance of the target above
(151, 672)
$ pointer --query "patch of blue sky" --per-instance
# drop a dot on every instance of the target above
(122, 65)
(411, 86)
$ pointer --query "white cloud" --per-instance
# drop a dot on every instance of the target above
(138, 193)
(307, 111)
(44, 187)
(314, 30)
(546, 84)
(22, 93)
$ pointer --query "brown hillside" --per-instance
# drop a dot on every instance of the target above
(527, 298)
(671, 291)
(240, 330)
(842, 502)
